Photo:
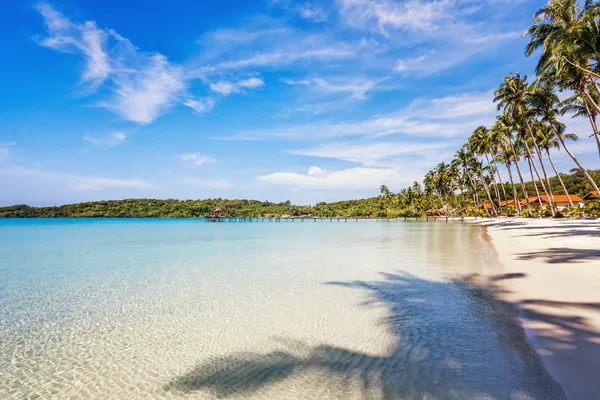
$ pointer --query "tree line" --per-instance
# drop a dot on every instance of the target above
(416, 200)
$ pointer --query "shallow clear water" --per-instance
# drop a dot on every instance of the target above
(142, 309)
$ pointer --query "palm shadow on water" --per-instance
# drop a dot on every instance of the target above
(452, 340)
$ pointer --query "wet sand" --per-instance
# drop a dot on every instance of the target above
(552, 273)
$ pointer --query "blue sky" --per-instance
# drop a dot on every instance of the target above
(267, 99)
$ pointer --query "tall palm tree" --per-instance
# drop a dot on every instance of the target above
(506, 124)
(548, 141)
(562, 30)
(579, 106)
(480, 144)
(506, 157)
(547, 104)
(463, 159)
(514, 96)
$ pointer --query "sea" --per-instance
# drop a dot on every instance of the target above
(190, 309)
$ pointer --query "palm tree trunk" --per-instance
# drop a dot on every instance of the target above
(548, 189)
(559, 178)
(521, 178)
(475, 193)
(517, 202)
(487, 191)
(537, 192)
(500, 179)
(587, 176)
(495, 183)
(592, 119)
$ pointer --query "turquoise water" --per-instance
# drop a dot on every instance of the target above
(189, 309)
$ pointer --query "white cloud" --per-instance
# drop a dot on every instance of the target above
(225, 88)
(295, 48)
(111, 140)
(351, 178)
(450, 116)
(311, 12)
(69, 37)
(251, 83)
(413, 15)
(143, 84)
(380, 153)
(357, 87)
(200, 106)
(143, 93)
(196, 159)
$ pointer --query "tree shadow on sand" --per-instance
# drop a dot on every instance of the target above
(559, 255)
(452, 340)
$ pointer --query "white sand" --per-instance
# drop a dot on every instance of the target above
(552, 273)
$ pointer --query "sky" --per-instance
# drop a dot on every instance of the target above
(273, 100)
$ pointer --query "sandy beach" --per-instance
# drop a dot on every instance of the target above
(552, 274)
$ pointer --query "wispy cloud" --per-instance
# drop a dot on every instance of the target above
(225, 88)
(200, 106)
(445, 117)
(351, 178)
(310, 11)
(70, 37)
(111, 140)
(378, 153)
(196, 159)
(143, 84)
(356, 87)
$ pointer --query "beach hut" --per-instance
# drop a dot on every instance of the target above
(591, 196)
(218, 211)
(561, 200)
(485, 206)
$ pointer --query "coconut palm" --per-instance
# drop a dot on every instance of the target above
(546, 108)
(514, 95)
(480, 143)
(548, 141)
(506, 125)
(579, 106)
(463, 159)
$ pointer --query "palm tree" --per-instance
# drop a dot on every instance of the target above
(566, 33)
(579, 106)
(464, 158)
(514, 95)
(547, 104)
(506, 157)
(480, 144)
(547, 141)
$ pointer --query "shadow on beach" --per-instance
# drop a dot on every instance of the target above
(560, 255)
(452, 340)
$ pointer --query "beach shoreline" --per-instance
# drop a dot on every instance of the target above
(551, 273)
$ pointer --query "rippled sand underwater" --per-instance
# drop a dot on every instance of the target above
(190, 310)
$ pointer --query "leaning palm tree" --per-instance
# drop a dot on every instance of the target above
(561, 29)
(505, 156)
(579, 106)
(506, 124)
(548, 141)
(547, 111)
(514, 96)
(481, 145)
(463, 159)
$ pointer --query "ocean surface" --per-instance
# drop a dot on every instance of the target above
(185, 309)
